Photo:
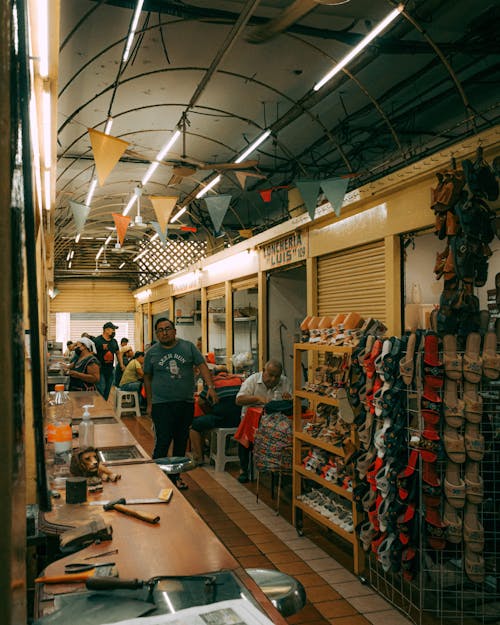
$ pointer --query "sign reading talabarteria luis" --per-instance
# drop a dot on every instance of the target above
(291, 248)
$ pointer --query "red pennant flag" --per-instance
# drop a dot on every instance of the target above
(265, 194)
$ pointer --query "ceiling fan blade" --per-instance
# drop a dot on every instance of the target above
(281, 22)
(242, 165)
(174, 179)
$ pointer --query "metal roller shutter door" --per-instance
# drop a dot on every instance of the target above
(216, 290)
(244, 283)
(353, 280)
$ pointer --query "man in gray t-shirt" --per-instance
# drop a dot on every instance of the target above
(169, 384)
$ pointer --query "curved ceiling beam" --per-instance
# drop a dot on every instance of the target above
(444, 61)
(361, 87)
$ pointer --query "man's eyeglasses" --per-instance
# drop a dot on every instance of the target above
(164, 329)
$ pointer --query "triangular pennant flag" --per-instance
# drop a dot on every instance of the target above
(217, 208)
(80, 213)
(163, 205)
(121, 225)
(107, 152)
(162, 234)
(334, 189)
(265, 194)
(241, 177)
(246, 233)
(309, 190)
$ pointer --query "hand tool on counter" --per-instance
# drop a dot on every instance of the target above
(101, 555)
(80, 567)
(81, 575)
(164, 496)
(120, 506)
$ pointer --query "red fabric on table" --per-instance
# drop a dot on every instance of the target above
(245, 434)
(197, 408)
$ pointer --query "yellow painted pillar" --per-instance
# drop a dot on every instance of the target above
(204, 320)
(262, 318)
(393, 284)
(228, 294)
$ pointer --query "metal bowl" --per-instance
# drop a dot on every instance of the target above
(172, 465)
(285, 592)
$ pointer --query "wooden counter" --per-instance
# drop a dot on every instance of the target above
(180, 544)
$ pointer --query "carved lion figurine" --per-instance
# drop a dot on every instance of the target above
(85, 463)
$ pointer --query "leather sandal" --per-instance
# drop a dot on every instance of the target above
(474, 485)
(472, 361)
(435, 529)
(453, 407)
(407, 363)
(454, 445)
(474, 565)
(473, 410)
(473, 529)
(454, 486)
(491, 360)
(452, 361)
(453, 521)
(474, 442)
(433, 367)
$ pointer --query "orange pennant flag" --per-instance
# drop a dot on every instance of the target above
(247, 233)
(163, 205)
(107, 152)
(121, 225)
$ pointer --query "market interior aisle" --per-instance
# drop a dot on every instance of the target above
(258, 538)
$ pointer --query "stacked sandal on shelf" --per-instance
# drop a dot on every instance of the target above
(384, 485)
(465, 446)
(341, 329)
(466, 222)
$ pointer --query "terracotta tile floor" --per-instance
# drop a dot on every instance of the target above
(258, 538)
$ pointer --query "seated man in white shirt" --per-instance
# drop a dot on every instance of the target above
(257, 390)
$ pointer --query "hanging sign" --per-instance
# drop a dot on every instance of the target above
(292, 248)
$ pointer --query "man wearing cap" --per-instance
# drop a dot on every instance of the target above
(107, 347)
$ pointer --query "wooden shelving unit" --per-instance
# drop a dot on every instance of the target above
(303, 442)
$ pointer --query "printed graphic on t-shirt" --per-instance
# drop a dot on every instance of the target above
(171, 361)
(108, 355)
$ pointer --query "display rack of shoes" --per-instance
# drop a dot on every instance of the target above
(435, 547)
(325, 446)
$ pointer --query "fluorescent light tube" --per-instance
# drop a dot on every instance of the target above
(168, 145)
(46, 183)
(72, 254)
(179, 214)
(98, 255)
(361, 45)
(68, 256)
(131, 34)
(90, 194)
(122, 265)
(107, 127)
(77, 238)
(211, 184)
(140, 255)
(154, 237)
(151, 170)
(127, 208)
(108, 240)
(253, 146)
(47, 129)
(69, 264)
(43, 38)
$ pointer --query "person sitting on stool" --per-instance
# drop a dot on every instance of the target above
(224, 414)
(133, 375)
(257, 390)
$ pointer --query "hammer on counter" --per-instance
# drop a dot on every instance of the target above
(119, 506)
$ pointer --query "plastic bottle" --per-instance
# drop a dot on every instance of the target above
(60, 415)
(86, 430)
